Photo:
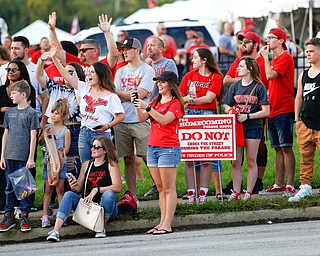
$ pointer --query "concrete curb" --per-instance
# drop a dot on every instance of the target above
(179, 223)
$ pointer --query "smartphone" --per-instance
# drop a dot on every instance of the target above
(70, 176)
(97, 127)
(135, 96)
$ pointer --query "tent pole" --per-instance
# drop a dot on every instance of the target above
(293, 34)
(303, 25)
(310, 19)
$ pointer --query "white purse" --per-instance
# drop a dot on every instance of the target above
(90, 215)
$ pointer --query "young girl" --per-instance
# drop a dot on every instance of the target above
(63, 140)
(249, 95)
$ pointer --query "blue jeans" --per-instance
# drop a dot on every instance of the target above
(25, 204)
(74, 131)
(70, 201)
(280, 130)
(86, 137)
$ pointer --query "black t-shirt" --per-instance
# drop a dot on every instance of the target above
(311, 101)
(99, 176)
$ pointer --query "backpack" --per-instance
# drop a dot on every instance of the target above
(127, 205)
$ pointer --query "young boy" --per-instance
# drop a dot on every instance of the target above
(18, 148)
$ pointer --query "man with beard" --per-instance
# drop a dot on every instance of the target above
(155, 48)
(250, 43)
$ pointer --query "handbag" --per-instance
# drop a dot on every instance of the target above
(90, 215)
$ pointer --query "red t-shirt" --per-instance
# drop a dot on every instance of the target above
(192, 49)
(281, 89)
(166, 135)
(232, 72)
(169, 53)
(36, 55)
(212, 83)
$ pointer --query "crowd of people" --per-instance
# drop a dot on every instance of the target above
(128, 105)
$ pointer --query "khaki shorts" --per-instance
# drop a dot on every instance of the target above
(132, 138)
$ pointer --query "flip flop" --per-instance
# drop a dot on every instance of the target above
(151, 231)
(162, 231)
(221, 196)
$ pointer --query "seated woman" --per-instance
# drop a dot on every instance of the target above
(104, 180)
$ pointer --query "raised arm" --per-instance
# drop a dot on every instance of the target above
(72, 80)
(39, 73)
(104, 26)
(53, 36)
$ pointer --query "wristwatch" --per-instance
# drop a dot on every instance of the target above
(148, 109)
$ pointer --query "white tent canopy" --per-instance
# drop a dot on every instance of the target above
(38, 29)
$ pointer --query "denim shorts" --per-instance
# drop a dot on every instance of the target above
(280, 130)
(62, 173)
(253, 133)
(216, 165)
(165, 157)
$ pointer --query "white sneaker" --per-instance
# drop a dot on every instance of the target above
(101, 234)
(53, 236)
(305, 190)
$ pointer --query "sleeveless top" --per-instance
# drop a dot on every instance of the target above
(310, 101)
(99, 176)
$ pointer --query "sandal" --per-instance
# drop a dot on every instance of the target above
(151, 231)
(220, 196)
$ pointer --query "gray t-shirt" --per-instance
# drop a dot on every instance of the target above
(227, 42)
(159, 67)
(130, 79)
(20, 124)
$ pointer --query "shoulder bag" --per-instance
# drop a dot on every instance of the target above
(90, 215)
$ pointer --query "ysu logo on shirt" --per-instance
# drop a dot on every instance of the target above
(132, 82)
(92, 104)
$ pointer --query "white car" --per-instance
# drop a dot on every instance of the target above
(141, 31)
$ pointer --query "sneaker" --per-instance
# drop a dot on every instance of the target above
(8, 222)
(247, 196)
(229, 187)
(191, 197)
(289, 191)
(101, 234)
(305, 190)
(234, 196)
(53, 236)
(24, 222)
(45, 221)
(17, 212)
(152, 191)
(258, 187)
(185, 197)
(273, 190)
(202, 197)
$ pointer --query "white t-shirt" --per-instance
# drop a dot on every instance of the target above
(99, 111)
(130, 79)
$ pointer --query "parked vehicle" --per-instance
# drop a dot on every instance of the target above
(141, 31)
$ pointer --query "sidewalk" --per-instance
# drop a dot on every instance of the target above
(180, 222)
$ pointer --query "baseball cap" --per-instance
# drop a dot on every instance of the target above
(281, 35)
(167, 76)
(251, 36)
(248, 22)
(198, 34)
(132, 43)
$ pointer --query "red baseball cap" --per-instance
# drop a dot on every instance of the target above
(249, 22)
(281, 35)
(249, 35)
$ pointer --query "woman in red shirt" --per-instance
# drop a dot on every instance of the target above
(164, 153)
(200, 89)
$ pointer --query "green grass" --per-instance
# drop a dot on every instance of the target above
(143, 186)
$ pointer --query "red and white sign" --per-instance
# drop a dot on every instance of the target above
(207, 137)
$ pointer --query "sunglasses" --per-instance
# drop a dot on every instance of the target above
(84, 50)
(71, 72)
(13, 70)
(247, 41)
(96, 147)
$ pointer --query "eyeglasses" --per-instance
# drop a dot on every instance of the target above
(96, 147)
(13, 70)
(121, 35)
(247, 41)
(84, 50)
(271, 37)
(71, 72)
